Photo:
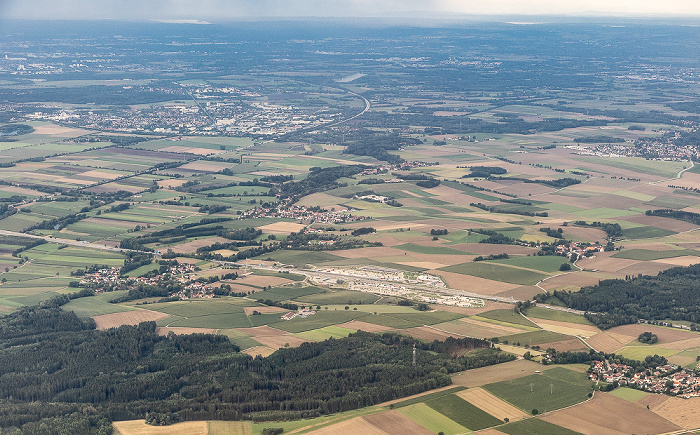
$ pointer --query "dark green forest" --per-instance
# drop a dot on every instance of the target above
(58, 374)
(673, 294)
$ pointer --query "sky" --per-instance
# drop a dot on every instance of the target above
(223, 10)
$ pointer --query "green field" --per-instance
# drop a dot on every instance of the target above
(553, 389)
(645, 232)
(286, 293)
(507, 316)
(560, 316)
(629, 394)
(540, 338)
(326, 333)
(542, 263)
(534, 426)
(463, 412)
(432, 420)
(319, 320)
(497, 272)
(642, 351)
(96, 305)
(240, 339)
(286, 275)
(340, 297)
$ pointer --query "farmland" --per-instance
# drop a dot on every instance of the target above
(429, 192)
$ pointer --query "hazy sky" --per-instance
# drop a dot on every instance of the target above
(241, 9)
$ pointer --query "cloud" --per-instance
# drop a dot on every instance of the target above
(242, 9)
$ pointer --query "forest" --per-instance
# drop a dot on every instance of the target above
(59, 374)
(673, 294)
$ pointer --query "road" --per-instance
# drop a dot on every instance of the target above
(70, 242)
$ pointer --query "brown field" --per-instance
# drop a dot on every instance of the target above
(473, 283)
(525, 292)
(474, 328)
(262, 281)
(412, 225)
(662, 222)
(645, 268)
(259, 350)
(602, 415)
(190, 150)
(275, 340)
(264, 310)
(261, 330)
(589, 234)
(569, 280)
(383, 423)
(681, 360)
(497, 373)
(684, 344)
(205, 166)
(100, 174)
(685, 260)
(139, 427)
(114, 320)
(364, 326)
(423, 264)
(491, 404)
(606, 342)
(604, 263)
(181, 330)
(281, 228)
(653, 400)
(665, 335)
(172, 183)
(191, 247)
(113, 222)
(567, 328)
(472, 311)
(58, 130)
(490, 432)
(683, 412)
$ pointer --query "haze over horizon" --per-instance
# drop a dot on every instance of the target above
(222, 10)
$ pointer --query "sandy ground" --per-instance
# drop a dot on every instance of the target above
(106, 321)
(665, 335)
(686, 260)
(139, 427)
(473, 283)
(259, 350)
(601, 415)
(281, 228)
(491, 404)
(683, 412)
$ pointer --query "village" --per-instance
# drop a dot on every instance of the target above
(302, 214)
(668, 378)
(110, 279)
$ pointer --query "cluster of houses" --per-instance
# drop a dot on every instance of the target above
(404, 166)
(580, 249)
(668, 378)
(182, 273)
(303, 313)
(302, 213)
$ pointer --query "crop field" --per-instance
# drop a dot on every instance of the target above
(97, 305)
(506, 316)
(432, 420)
(333, 297)
(325, 333)
(560, 316)
(278, 294)
(552, 389)
(319, 320)
(462, 412)
(544, 263)
(534, 426)
(602, 415)
(497, 272)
